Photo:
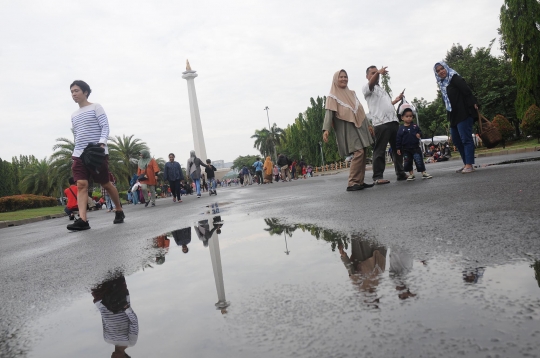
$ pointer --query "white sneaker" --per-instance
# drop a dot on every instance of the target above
(426, 176)
(411, 177)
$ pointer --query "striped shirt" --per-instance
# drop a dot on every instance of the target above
(121, 329)
(90, 124)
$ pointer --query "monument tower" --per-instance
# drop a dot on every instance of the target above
(198, 138)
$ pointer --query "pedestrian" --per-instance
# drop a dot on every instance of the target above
(258, 165)
(461, 110)
(245, 175)
(408, 144)
(108, 202)
(283, 164)
(173, 173)
(90, 126)
(310, 170)
(346, 115)
(148, 171)
(294, 174)
(210, 174)
(71, 195)
(182, 238)
(194, 169)
(275, 172)
(136, 192)
(268, 168)
(386, 124)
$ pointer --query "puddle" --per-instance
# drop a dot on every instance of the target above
(232, 287)
(513, 161)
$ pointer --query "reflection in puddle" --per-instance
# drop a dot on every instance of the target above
(332, 295)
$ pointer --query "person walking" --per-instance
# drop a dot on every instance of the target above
(258, 165)
(136, 192)
(283, 164)
(268, 168)
(194, 169)
(276, 173)
(173, 173)
(90, 125)
(461, 110)
(148, 171)
(386, 125)
(211, 176)
(345, 114)
(245, 175)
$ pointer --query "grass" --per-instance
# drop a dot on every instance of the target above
(31, 213)
(519, 144)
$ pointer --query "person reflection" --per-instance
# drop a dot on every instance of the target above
(401, 262)
(204, 232)
(120, 323)
(182, 238)
(472, 275)
(365, 265)
(162, 243)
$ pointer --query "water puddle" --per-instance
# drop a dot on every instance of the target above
(232, 287)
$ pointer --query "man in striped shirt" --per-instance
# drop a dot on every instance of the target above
(90, 125)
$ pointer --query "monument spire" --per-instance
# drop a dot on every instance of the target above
(198, 138)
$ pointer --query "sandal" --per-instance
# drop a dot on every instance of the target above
(381, 181)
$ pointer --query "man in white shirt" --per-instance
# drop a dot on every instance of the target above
(90, 125)
(385, 122)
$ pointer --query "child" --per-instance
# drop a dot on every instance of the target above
(407, 144)
(210, 169)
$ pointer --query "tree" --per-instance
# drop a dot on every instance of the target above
(531, 122)
(520, 36)
(431, 116)
(385, 84)
(266, 140)
(61, 162)
(123, 157)
(504, 127)
(36, 178)
(8, 173)
(247, 160)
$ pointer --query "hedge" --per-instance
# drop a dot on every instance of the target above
(531, 122)
(25, 201)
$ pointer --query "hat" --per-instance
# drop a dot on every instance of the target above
(402, 107)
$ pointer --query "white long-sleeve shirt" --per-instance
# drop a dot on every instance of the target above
(120, 329)
(90, 124)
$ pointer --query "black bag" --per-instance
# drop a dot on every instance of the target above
(93, 156)
(142, 177)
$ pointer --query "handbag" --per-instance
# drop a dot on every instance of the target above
(93, 156)
(142, 177)
(489, 134)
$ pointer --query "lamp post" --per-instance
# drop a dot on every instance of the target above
(322, 154)
(286, 247)
(270, 132)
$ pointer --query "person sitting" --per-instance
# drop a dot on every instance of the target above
(71, 195)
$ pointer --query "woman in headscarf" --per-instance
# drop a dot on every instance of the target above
(149, 170)
(268, 168)
(461, 109)
(346, 115)
(194, 170)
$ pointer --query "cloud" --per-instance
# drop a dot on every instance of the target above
(248, 54)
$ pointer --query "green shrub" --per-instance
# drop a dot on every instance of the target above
(531, 122)
(25, 201)
(504, 126)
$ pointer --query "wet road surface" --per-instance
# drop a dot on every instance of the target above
(444, 267)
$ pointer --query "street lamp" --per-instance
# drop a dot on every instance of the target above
(322, 154)
(286, 247)
(270, 132)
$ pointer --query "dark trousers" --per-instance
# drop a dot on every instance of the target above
(415, 155)
(259, 175)
(175, 188)
(384, 134)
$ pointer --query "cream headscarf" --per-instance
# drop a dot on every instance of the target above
(344, 102)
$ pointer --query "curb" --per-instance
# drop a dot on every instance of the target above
(5, 224)
(508, 151)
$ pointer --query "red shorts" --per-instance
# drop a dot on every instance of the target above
(81, 172)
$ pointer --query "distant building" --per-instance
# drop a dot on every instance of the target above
(220, 164)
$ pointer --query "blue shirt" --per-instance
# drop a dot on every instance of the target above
(258, 166)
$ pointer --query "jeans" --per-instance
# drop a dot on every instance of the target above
(175, 188)
(70, 211)
(384, 134)
(109, 203)
(198, 186)
(212, 183)
(462, 138)
(413, 155)
(135, 197)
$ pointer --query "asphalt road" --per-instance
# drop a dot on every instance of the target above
(490, 217)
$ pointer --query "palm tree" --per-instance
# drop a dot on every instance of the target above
(124, 155)
(61, 162)
(36, 178)
(266, 140)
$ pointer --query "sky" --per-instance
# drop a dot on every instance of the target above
(247, 54)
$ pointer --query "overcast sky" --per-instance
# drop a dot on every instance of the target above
(248, 55)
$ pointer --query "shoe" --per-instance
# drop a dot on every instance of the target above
(179, 200)
(467, 170)
(411, 177)
(71, 217)
(198, 196)
(174, 200)
(367, 186)
(119, 217)
(402, 177)
(146, 204)
(79, 225)
(355, 187)
(153, 204)
(426, 176)
(460, 170)
(108, 211)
